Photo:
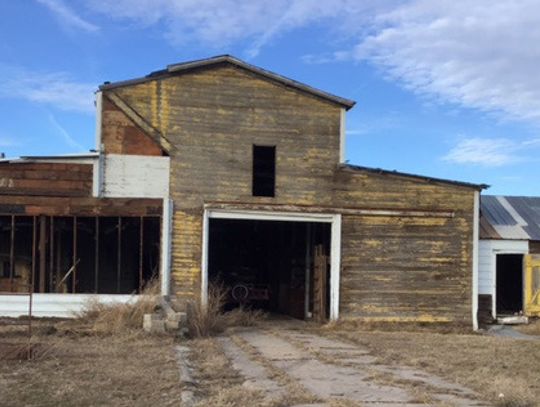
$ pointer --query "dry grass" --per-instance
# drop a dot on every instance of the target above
(210, 320)
(489, 365)
(106, 319)
(129, 369)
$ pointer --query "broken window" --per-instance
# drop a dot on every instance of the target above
(264, 171)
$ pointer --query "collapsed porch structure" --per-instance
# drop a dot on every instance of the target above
(63, 245)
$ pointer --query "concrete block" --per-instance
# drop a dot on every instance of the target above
(152, 323)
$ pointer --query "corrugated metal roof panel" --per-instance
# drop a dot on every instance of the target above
(510, 217)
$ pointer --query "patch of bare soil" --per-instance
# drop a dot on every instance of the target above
(126, 369)
(501, 370)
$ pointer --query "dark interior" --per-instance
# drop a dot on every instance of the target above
(509, 283)
(263, 264)
(112, 255)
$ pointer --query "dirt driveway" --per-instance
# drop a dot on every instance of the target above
(285, 366)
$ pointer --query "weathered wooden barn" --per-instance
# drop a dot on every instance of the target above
(217, 170)
(509, 257)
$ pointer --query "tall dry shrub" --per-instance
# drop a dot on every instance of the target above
(207, 320)
(105, 319)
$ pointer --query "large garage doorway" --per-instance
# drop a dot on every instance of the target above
(286, 265)
(509, 298)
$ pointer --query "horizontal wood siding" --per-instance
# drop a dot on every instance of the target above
(50, 179)
(414, 267)
(74, 206)
(135, 176)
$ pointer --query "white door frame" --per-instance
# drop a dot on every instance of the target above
(335, 243)
(515, 252)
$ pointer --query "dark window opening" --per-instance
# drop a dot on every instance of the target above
(264, 171)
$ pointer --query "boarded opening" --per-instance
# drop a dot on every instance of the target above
(78, 255)
(277, 266)
(509, 283)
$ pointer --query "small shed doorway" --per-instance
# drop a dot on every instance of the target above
(509, 296)
(281, 263)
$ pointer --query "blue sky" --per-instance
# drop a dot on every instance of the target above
(447, 89)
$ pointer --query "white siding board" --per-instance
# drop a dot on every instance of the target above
(488, 249)
(136, 176)
(55, 305)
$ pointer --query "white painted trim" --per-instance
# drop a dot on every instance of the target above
(476, 238)
(335, 244)
(263, 215)
(55, 305)
(166, 232)
(342, 136)
(98, 164)
(335, 266)
(204, 259)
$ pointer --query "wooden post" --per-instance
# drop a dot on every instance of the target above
(32, 276)
(141, 240)
(119, 257)
(96, 257)
(42, 253)
(51, 254)
(307, 280)
(74, 275)
(12, 253)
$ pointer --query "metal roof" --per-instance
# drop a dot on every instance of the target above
(184, 67)
(510, 217)
(415, 176)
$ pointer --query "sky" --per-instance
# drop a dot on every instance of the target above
(447, 88)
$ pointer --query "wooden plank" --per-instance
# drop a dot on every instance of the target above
(74, 260)
(42, 253)
(12, 253)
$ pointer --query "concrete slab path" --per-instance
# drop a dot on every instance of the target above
(334, 371)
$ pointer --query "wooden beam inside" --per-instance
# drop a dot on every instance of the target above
(74, 260)
(12, 253)
(119, 257)
(42, 252)
(96, 257)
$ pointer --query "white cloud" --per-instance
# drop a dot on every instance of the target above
(477, 54)
(219, 23)
(55, 89)
(489, 152)
(68, 17)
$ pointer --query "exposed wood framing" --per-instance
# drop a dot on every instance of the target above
(141, 247)
(96, 256)
(74, 259)
(12, 253)
(42, 253)
(119, 255)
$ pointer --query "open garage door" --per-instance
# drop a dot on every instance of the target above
(282, 267)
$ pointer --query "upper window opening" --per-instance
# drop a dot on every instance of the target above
(264, 171)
